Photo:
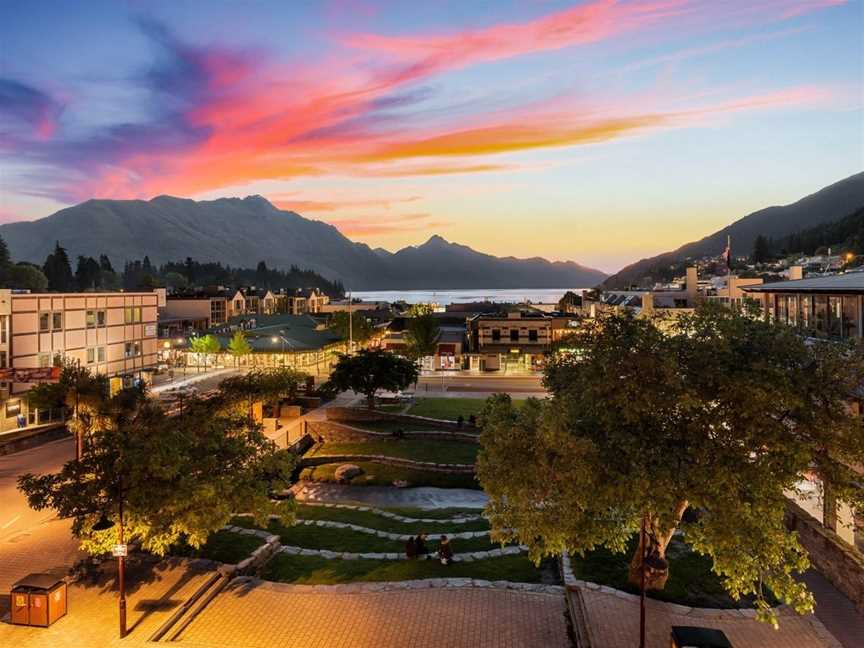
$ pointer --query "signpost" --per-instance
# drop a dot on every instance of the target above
(119, 550)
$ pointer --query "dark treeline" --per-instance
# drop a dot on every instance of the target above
(57, 274)
(842, 236)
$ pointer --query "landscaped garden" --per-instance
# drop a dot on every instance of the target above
(317, 570)
(222, 546)
(378, 474)
(451, 408)
(432, 450)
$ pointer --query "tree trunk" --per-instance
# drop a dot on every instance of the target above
(370, 401)
(651, 550)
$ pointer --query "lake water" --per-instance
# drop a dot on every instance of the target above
(444, 297)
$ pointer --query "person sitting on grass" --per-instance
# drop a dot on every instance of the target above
(420, 546)
(460, 421)
(411, 548)
(445, 551)
(399, 433)
(472, 421)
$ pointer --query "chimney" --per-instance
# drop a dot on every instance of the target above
(796, 272)
(692, 286)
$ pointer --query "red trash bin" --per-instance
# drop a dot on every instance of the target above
(38, 600)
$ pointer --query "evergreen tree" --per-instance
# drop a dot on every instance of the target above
(88, 276)
(58, 270)
(761, 250)
(105, 263)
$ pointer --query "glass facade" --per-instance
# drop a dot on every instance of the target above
(828, 316)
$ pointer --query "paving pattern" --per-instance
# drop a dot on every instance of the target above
(270, 615)
(613, 620)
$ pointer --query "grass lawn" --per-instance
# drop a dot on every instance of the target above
(416, 449)
(315, 537)
(375, 474)
(223, 546)
(451, 408)
(392, 426)
(691, 581)
(372, 520)
(316, 570)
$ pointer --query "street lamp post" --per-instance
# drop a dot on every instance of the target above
(119, 551)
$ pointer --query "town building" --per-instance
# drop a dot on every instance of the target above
(516, 341)
(112, 333)
(828, 307)
(297, 341)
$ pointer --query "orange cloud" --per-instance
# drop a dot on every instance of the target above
(403, 223)
(303, 206)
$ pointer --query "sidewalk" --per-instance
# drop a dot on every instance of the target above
(425, 497)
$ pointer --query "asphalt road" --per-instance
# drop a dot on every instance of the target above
(15, 515)
(482, 385)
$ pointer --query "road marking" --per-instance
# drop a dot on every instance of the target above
(10, 522)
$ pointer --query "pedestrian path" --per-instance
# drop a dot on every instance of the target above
(835, 611)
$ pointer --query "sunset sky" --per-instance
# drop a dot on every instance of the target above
(596, 131)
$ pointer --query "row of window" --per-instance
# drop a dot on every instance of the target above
(4, 329)
(95, 318)
(51, 321)
(95, 354)
(514, 335)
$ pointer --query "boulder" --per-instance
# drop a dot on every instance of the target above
(347, 472)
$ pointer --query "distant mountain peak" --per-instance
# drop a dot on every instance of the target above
(436, 239)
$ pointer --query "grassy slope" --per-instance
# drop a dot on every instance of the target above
(315, 570)
(223, 546)
(371, 520)
(416, 449)
(451, 408)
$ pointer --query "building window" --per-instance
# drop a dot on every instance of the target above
(496, 335)
(132, 350)
(532, 335)
(850, 317)
(514, 335)
(57, 320)
(3, 359)
(100, 318)
(13, 408)
(4, 324)
(91, 319)
(44, 360)
(132, 314)
(100, 354)
(44, 322)
(835, 316)
(91, 355)
(820, 312)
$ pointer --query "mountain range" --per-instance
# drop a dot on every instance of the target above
(241, 232)
(827, 205)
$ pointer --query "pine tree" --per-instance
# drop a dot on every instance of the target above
(58, 270)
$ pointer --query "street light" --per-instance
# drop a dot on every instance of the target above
(278, 338)
(103, 524)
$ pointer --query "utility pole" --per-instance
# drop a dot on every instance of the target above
(350, 325)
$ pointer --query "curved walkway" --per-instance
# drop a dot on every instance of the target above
(387, 496)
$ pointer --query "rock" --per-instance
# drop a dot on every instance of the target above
(347, 472)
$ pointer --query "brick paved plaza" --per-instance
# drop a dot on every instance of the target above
(270, 615)
(613, 620)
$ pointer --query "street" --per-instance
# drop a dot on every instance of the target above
(474, 385)
(31, 541)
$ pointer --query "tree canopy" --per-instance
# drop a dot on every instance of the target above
(719, 413)
(178, 478)
(421, 335)
(373, 370)
(58, 270)
(339, 324)
(239, 346)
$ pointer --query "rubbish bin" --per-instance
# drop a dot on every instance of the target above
(38, 600)
(693, 637)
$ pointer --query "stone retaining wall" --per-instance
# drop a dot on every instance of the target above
(346, 555)
(427, 583)
(336, 432)
(836, 560)
(348, 414)
(400, 537)
(320, 460)
(458, 519)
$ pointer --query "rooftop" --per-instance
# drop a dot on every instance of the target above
(851, 282)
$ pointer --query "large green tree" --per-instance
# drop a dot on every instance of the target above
(175, 479)
(370, 371)
(719, 413)
(58, 270)
(360, 327)
(421, 335)
(265, 385)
